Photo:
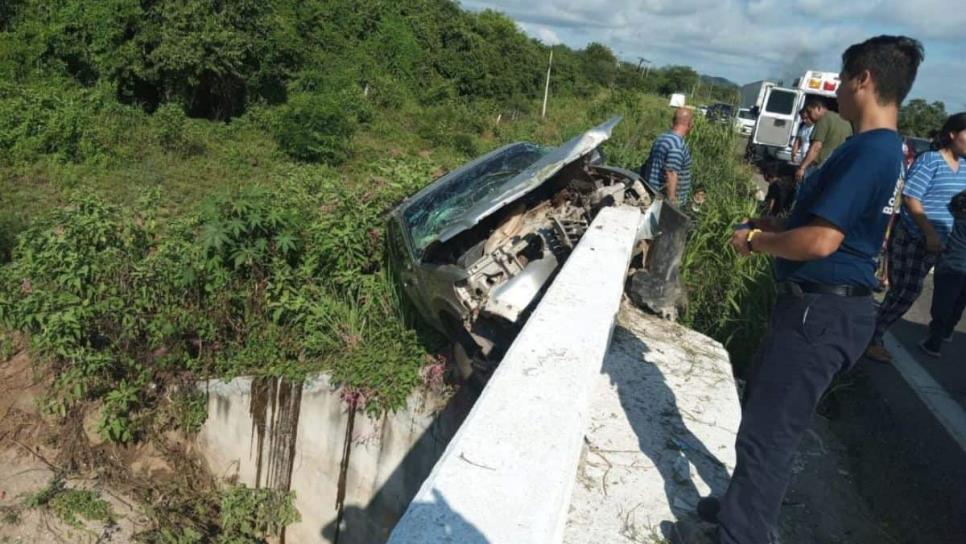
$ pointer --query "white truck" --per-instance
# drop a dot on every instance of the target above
(753, 94)
(779, 120)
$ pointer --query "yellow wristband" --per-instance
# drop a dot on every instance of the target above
(751, 235)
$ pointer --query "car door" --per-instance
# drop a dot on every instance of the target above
(778, 118)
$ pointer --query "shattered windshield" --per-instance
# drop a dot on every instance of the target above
(431, 213)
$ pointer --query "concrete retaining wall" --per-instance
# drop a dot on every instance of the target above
(268, 434)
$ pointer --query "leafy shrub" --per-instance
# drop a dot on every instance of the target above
(254, 282)
(171, 127)
(457, 125)
(71, 504)
(318, 128)
(249, 516)
(48, 120)
(67, 288)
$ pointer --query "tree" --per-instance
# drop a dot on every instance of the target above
(600, 64)
(920, 118)
(677, 79)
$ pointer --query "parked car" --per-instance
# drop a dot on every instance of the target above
(745, 121)
(475, 250)
(720, 113)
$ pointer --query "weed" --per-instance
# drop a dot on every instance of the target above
(729, 297)
(10, 514)
(71, 504)
(191, 411)
(248, 515)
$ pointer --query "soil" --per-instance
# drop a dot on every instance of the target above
(35, 450)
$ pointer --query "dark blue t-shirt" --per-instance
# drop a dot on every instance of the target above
(856, 191)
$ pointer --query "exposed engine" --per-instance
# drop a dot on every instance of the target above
(508, 266)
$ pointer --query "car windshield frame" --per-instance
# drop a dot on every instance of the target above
(431, 213)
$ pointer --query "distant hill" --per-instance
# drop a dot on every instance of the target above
(718, 81)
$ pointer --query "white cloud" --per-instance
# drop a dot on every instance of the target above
(746, 40)
(542, 33)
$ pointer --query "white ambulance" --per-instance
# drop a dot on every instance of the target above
(779, 119)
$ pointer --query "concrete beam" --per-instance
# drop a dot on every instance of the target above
(508, 474)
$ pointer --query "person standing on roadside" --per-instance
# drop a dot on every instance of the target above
(668, 167)
(828, 133)
(825, 270)
(924, 225)
(949, 293)
(803, 139)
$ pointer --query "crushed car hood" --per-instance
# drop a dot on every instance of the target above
(447, 223)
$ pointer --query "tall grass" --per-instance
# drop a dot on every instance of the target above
(730, 297)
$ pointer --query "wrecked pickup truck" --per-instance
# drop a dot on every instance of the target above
(475, 250)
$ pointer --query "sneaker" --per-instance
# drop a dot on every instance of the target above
(687, 531)
(708, 509)
(878, 353)
(930, 348)
(949, 338)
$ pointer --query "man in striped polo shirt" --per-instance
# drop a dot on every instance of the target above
(668, 167)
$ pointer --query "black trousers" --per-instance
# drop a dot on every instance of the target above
(948, 302)
(811, 339)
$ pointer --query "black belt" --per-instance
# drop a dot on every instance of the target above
(798, 288)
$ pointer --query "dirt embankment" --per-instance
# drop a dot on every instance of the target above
(61, 482)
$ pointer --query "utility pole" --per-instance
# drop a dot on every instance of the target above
(546, 89)
(642, 62)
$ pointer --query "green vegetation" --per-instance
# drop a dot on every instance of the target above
(730, 298)
(920, 118)
(194, 190)
(71, 504)
(248, 516)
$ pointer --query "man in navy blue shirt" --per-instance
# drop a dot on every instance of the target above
(825, 268)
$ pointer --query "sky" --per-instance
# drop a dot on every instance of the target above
(750, 40)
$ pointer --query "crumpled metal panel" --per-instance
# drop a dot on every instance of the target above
(513, 297)
(532, 177)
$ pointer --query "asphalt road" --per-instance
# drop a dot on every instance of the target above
(949, 371)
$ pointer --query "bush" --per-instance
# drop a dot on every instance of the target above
(170, 125)
(48, 120)
(253, 283)
(457, 125)
(318, 128)
(71, 504)
(249, 516)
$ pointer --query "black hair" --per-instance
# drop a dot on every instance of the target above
(955, 123)
(893, 62)
(814, 101)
